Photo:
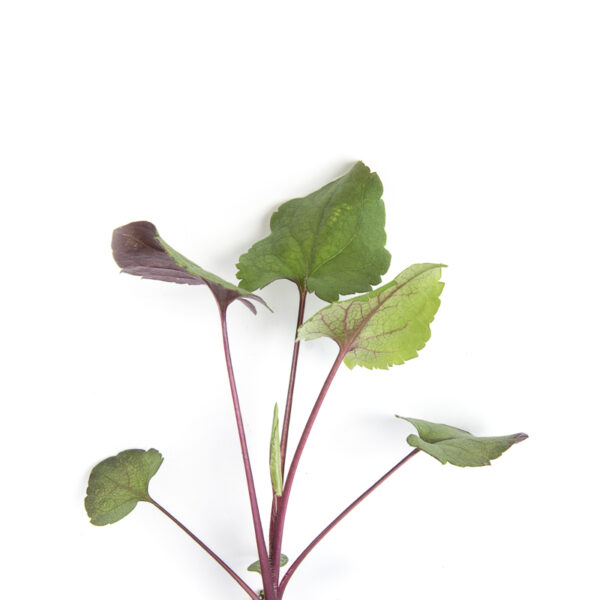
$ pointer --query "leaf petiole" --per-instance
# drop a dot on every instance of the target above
(349, 508)
(290, 394)
(287, 414)
(287, 488)
(198, 541)
(263, 556)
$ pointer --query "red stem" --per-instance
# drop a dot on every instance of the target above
(284, 500)
(269, 584)
(290, 394)
(287, 416)
(198, 541)
(329, 527)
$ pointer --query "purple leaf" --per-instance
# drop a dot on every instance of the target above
(139, 250)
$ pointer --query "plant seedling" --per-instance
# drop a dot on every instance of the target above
(330, 243)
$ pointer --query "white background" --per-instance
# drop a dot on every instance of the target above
(482, 120)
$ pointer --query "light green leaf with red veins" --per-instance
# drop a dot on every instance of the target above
(330, 242)
(459, 447)
(118, 483)
(386, 326)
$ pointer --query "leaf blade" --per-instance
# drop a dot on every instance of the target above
(275, 455)
(118, 483)
(384, 327)
(139, 250)
(330, 242)
(458, 447)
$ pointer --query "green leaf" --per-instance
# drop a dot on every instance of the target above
(386, 326)
(255, 566)
(459, 447)
(139, 250)
(118, 483)
(275, 455)
(330, 242)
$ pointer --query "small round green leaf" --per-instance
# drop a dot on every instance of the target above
(118, 483)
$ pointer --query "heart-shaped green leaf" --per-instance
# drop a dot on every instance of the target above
(459, 447)
(330, 242)
(139, 250)
(118, 483)
(386, 326)
(275, 456)
(255, 566)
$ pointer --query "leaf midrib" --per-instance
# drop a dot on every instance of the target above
(334, 192)
(126, 487)
(352, 237)
(349, 346)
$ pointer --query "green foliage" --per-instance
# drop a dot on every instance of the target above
(118, 483)
(330, 242)
(275, 455)
(255, 566)
(386, 326)
(458, 447)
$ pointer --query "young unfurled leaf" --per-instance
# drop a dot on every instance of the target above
(118, 483)
(255, 566)
(386, 326)
(139, 250)
(275, 456)
(458, 447)
(330, 242)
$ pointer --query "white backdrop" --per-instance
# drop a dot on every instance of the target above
(481, 119)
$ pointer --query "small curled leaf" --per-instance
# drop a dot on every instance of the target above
(459, 447)
(255, 566)
(118, 483)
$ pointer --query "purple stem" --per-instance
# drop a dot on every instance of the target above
(290, 395)
(287, 415)
(284, 500)
(329, 527)
(198, 541)
(269, 584)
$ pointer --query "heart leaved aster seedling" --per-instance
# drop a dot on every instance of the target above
(330, 243)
